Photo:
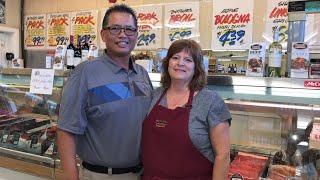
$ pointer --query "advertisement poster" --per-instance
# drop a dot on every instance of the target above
(181, 22)
(232, 24)
(277, 17)
(2, 11)
(149, 26)
(58, 29)
(85, 23)
(35, 31)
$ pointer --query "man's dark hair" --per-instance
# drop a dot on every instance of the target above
(119, 8)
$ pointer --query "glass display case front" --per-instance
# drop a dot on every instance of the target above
(274, 132)
(27, 120)
(276, 118)
(274, 123)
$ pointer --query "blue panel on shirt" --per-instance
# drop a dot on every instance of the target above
(109, 93)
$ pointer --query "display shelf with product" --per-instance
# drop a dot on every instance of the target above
(28, 123)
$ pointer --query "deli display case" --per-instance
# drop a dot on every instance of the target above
(28, 123)
(274, 131)
(275, 118)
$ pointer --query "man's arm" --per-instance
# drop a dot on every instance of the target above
(219, 136)
(67, 153)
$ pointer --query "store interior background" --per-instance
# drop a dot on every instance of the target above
(36, 58)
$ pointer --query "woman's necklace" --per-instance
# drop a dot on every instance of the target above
(174, 102)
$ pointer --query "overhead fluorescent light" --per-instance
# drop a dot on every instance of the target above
(237, 50)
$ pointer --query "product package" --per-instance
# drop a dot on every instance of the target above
(256, 60)
(59, 57)
(314, 139)
(93, 52)
(299, 60)
(17, 63)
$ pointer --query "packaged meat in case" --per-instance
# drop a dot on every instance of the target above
(249, 166)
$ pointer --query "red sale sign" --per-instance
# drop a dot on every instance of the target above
(312, 84)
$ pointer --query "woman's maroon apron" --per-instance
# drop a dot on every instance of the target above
(167, 151)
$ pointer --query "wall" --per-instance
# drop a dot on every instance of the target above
(13, 19)
(10, 32)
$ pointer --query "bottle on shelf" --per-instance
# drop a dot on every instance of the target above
(85, 49)
(275, 56)
(232, 68)
(229, 69)
(235, 68)
(49, 59)
(77, 53)
(70, 53)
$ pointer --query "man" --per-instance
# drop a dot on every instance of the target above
(103, 106)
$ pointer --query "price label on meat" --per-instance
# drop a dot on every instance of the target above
(85, 23)
(58, 29)
(232, 24)
(35, 32)
(315, 134)
(149, 27)
(181, 22)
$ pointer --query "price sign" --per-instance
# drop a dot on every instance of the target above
(179, 34)
(149, 27)
(41, 81)
(231, 36)
(181, 22)
(62, 40)
(146, 39)
(58, 29)
(85, 23)
(277, 17)
(232, 24)
(35, 27)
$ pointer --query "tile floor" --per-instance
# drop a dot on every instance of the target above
(6, 174)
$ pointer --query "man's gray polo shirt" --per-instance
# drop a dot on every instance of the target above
(104, 105)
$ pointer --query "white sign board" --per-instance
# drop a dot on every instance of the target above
(232, 24)
(41, 81)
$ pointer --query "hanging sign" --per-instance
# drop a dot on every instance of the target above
(35, 31)
(277, 17)
(58, 29)
(149, 27)
(181, 22)
(232, 24)
(85, 23)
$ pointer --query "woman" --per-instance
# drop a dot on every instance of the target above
(186, 134)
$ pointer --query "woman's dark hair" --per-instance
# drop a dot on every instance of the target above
(199, 79)
(119, 8)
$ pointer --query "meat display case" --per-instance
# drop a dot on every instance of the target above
(28, 123)
(272, 119)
